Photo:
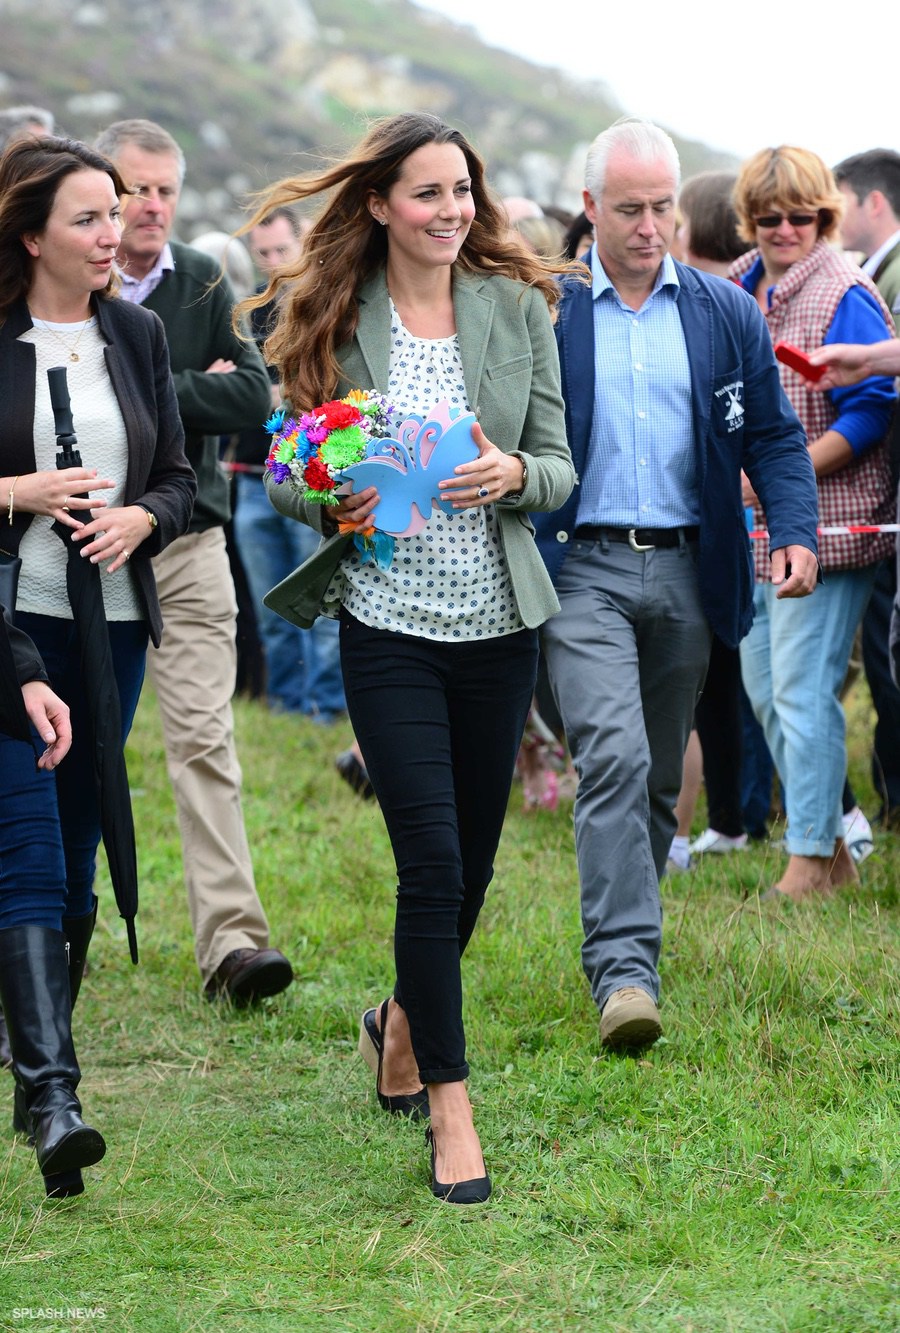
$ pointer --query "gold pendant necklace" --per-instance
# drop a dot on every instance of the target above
(73, 352)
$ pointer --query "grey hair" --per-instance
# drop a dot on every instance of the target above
(640, 139)
(15, 120)
(144, 134)
(233, 258)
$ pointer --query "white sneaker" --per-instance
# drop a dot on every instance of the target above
(858, 834)
(711, 841)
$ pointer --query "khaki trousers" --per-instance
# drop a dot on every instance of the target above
(193, 673)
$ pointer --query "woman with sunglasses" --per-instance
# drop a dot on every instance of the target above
(795, 658)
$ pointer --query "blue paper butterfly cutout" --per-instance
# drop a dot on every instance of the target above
(406, 471)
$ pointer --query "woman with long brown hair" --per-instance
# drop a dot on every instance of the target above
(59, 230)
(409, 285)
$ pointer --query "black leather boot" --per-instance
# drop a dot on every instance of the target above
(78, 931)
(5, 1052)
(34, 988)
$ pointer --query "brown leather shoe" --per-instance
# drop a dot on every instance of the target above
(246, 975)
(630, 1019)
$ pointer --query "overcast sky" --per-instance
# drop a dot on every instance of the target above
(739, 77)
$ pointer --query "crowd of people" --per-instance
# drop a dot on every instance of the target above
(652, 557)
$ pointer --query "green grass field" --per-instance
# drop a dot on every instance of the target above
(742, 1175)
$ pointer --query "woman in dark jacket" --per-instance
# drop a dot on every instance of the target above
(31, 852)
(59, 231)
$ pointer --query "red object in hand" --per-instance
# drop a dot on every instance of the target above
(797, 360)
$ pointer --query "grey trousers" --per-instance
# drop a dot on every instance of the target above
(627, 656)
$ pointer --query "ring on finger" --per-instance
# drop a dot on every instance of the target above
(483, 493)
(65, 505)
(125, 553)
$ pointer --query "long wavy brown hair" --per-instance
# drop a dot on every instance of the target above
(319, 310)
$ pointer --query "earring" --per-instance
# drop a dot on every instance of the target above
(383, 221)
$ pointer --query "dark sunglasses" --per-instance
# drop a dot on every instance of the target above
(773, 220)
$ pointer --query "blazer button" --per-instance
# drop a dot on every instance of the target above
(562, 536)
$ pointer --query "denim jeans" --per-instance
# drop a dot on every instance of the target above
(439, 726)
(302, 665)
(76, 786)
(793, 662)
(32, 866)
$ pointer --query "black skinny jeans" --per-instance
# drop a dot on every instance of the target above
(439, 726)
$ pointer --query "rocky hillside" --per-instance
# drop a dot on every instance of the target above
(255, 88)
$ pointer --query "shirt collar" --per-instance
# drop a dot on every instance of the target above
(870, 267)
(667, 276)
(164, 263)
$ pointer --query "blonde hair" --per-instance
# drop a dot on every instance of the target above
(789, 179)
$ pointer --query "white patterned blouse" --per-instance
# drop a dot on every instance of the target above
(450, 581)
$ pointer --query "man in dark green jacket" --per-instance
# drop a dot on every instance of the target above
(222, 386)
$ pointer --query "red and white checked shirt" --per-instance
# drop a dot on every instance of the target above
(803, 305)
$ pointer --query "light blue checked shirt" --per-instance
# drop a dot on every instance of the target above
(642, 461)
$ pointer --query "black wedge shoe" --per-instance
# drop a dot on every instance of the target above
(477, 1190)
(371, 1048)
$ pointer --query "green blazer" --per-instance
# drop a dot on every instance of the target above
(511, 370)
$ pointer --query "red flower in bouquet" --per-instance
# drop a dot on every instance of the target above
(338, 415)
(317, 476)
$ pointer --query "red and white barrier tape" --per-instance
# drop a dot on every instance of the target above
(255, 469)
(845, 530)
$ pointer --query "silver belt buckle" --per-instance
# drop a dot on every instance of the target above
(633, 543)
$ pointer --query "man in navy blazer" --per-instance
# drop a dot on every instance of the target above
(671, 390)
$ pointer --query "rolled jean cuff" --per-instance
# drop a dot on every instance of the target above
(810, 846)
(456, 1075)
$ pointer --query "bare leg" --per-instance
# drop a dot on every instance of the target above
(808, 876)
(691, 781)
(399, 1071)
(457, 1148)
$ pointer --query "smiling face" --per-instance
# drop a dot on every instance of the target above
(73, 255)
(150, 212)
(785, 244)
(634, 220)
(428, 211)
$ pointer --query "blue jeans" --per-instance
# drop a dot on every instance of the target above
(32, 866)
(302, 665)
(76, 786)
(793, 662)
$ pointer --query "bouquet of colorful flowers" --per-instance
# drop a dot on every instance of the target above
(311, 451)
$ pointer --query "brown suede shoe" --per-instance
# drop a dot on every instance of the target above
(246, 975)
(630, 1019)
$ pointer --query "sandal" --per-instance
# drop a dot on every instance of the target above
(371, 1048)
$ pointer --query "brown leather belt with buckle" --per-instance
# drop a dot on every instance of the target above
(639, 539)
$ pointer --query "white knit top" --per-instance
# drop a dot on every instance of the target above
(450, 581)
(103, 445)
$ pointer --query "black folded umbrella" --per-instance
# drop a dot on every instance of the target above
(99, 680)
